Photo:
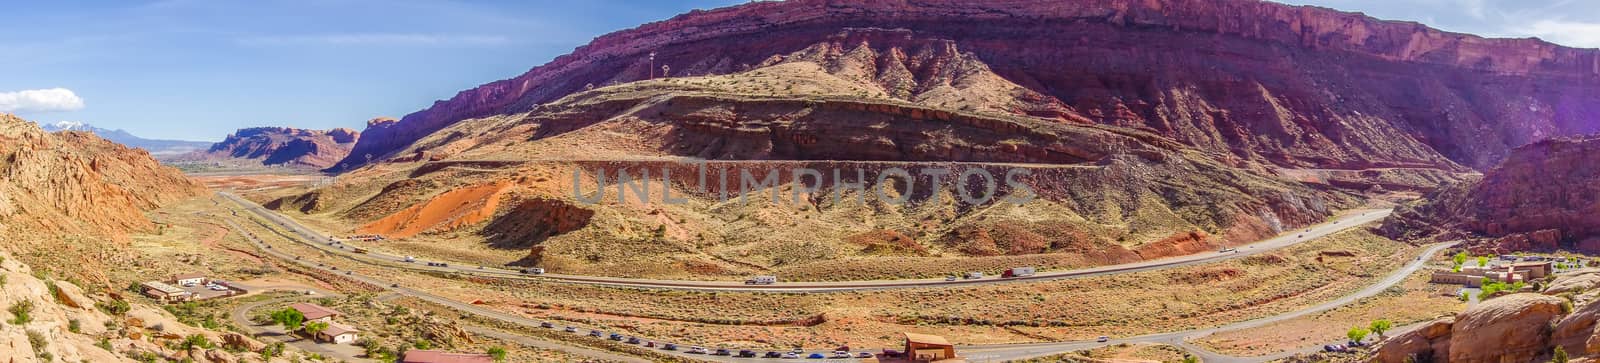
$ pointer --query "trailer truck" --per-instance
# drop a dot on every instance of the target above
(1017, 272)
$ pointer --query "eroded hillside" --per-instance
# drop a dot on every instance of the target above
(499, 189)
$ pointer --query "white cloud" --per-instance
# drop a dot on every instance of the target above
(40, 100)
(1571, 33)
(376, 39)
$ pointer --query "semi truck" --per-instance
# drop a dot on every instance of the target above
(761, 280)
(1017, 272)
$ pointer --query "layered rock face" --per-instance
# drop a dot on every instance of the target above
(1545, 196)
(76, 183)
(1294, 86)
(1511, 328)
(287, 146)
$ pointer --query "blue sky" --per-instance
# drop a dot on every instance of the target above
(198, 69)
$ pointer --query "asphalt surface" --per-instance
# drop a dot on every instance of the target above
(976, 353)
(1002, 352)
(464, 307)
(327, 243)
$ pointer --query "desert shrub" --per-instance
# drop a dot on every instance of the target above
(20, 312)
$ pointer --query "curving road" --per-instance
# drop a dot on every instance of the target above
(1002, 352)
(1349, 220)
(976, 353)
(464, 307)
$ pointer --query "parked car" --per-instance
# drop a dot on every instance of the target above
(571, 329)
(772, 355)
(1103, 339)
(533, 271)
(791, 355)
(670, 346)
(596, 333)
(816, 356)
(841, 354)
(697, 350)
(950, 278)
(864, 355)
(891, 353)
(798, 350)
(650, 344)
(721, 351)
(616, 337)
(546, 325)
(633, 340)
(762, 280)
(747, 354)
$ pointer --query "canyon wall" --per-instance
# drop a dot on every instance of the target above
(1544, 197)
(1294, 86)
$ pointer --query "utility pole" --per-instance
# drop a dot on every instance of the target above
(652, 65)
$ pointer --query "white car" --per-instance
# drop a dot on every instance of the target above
(697, 350)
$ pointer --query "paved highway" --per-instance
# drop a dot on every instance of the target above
(976, 353)
(1002, 352)
(324, 242)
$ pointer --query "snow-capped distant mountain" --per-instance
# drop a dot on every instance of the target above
(156, 147)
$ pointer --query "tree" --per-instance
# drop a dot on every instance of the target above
(1190, 359)
(423, 344)
(316, 327)
(1460, 258)
(1381, 325)
(498, 353)
(1357, 333)
(1560, 355)
(289, 318)
(1483, 261)
(195, 340)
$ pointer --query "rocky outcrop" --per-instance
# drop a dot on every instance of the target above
(1428, 343)
(1511, 328)
(286, 146)
(1294, 85)
(1545, 196)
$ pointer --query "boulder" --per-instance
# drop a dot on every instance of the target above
(220, 356)
(1430, 342)
(1576, 281)
(241, 342)
(1573, 331)
(72, 295)
(1511, 328)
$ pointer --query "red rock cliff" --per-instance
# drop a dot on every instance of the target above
(1545, 196)
(287, 146)
(1293, 85)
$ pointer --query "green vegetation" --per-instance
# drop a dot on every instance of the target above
(316, 327)
(289, 318)
(20, 312)
(1559, 356)
(1460, 258)
(114, 307)
(195, 340)
(1357, 333)
(75, 326)
(1483, 261)
(498, 353)
(39, 343)
(422, 344)
(1381, 325)
(1490, 287)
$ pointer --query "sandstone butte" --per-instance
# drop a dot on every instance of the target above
(1292, 85)
(285, 146)
(1544, 197)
